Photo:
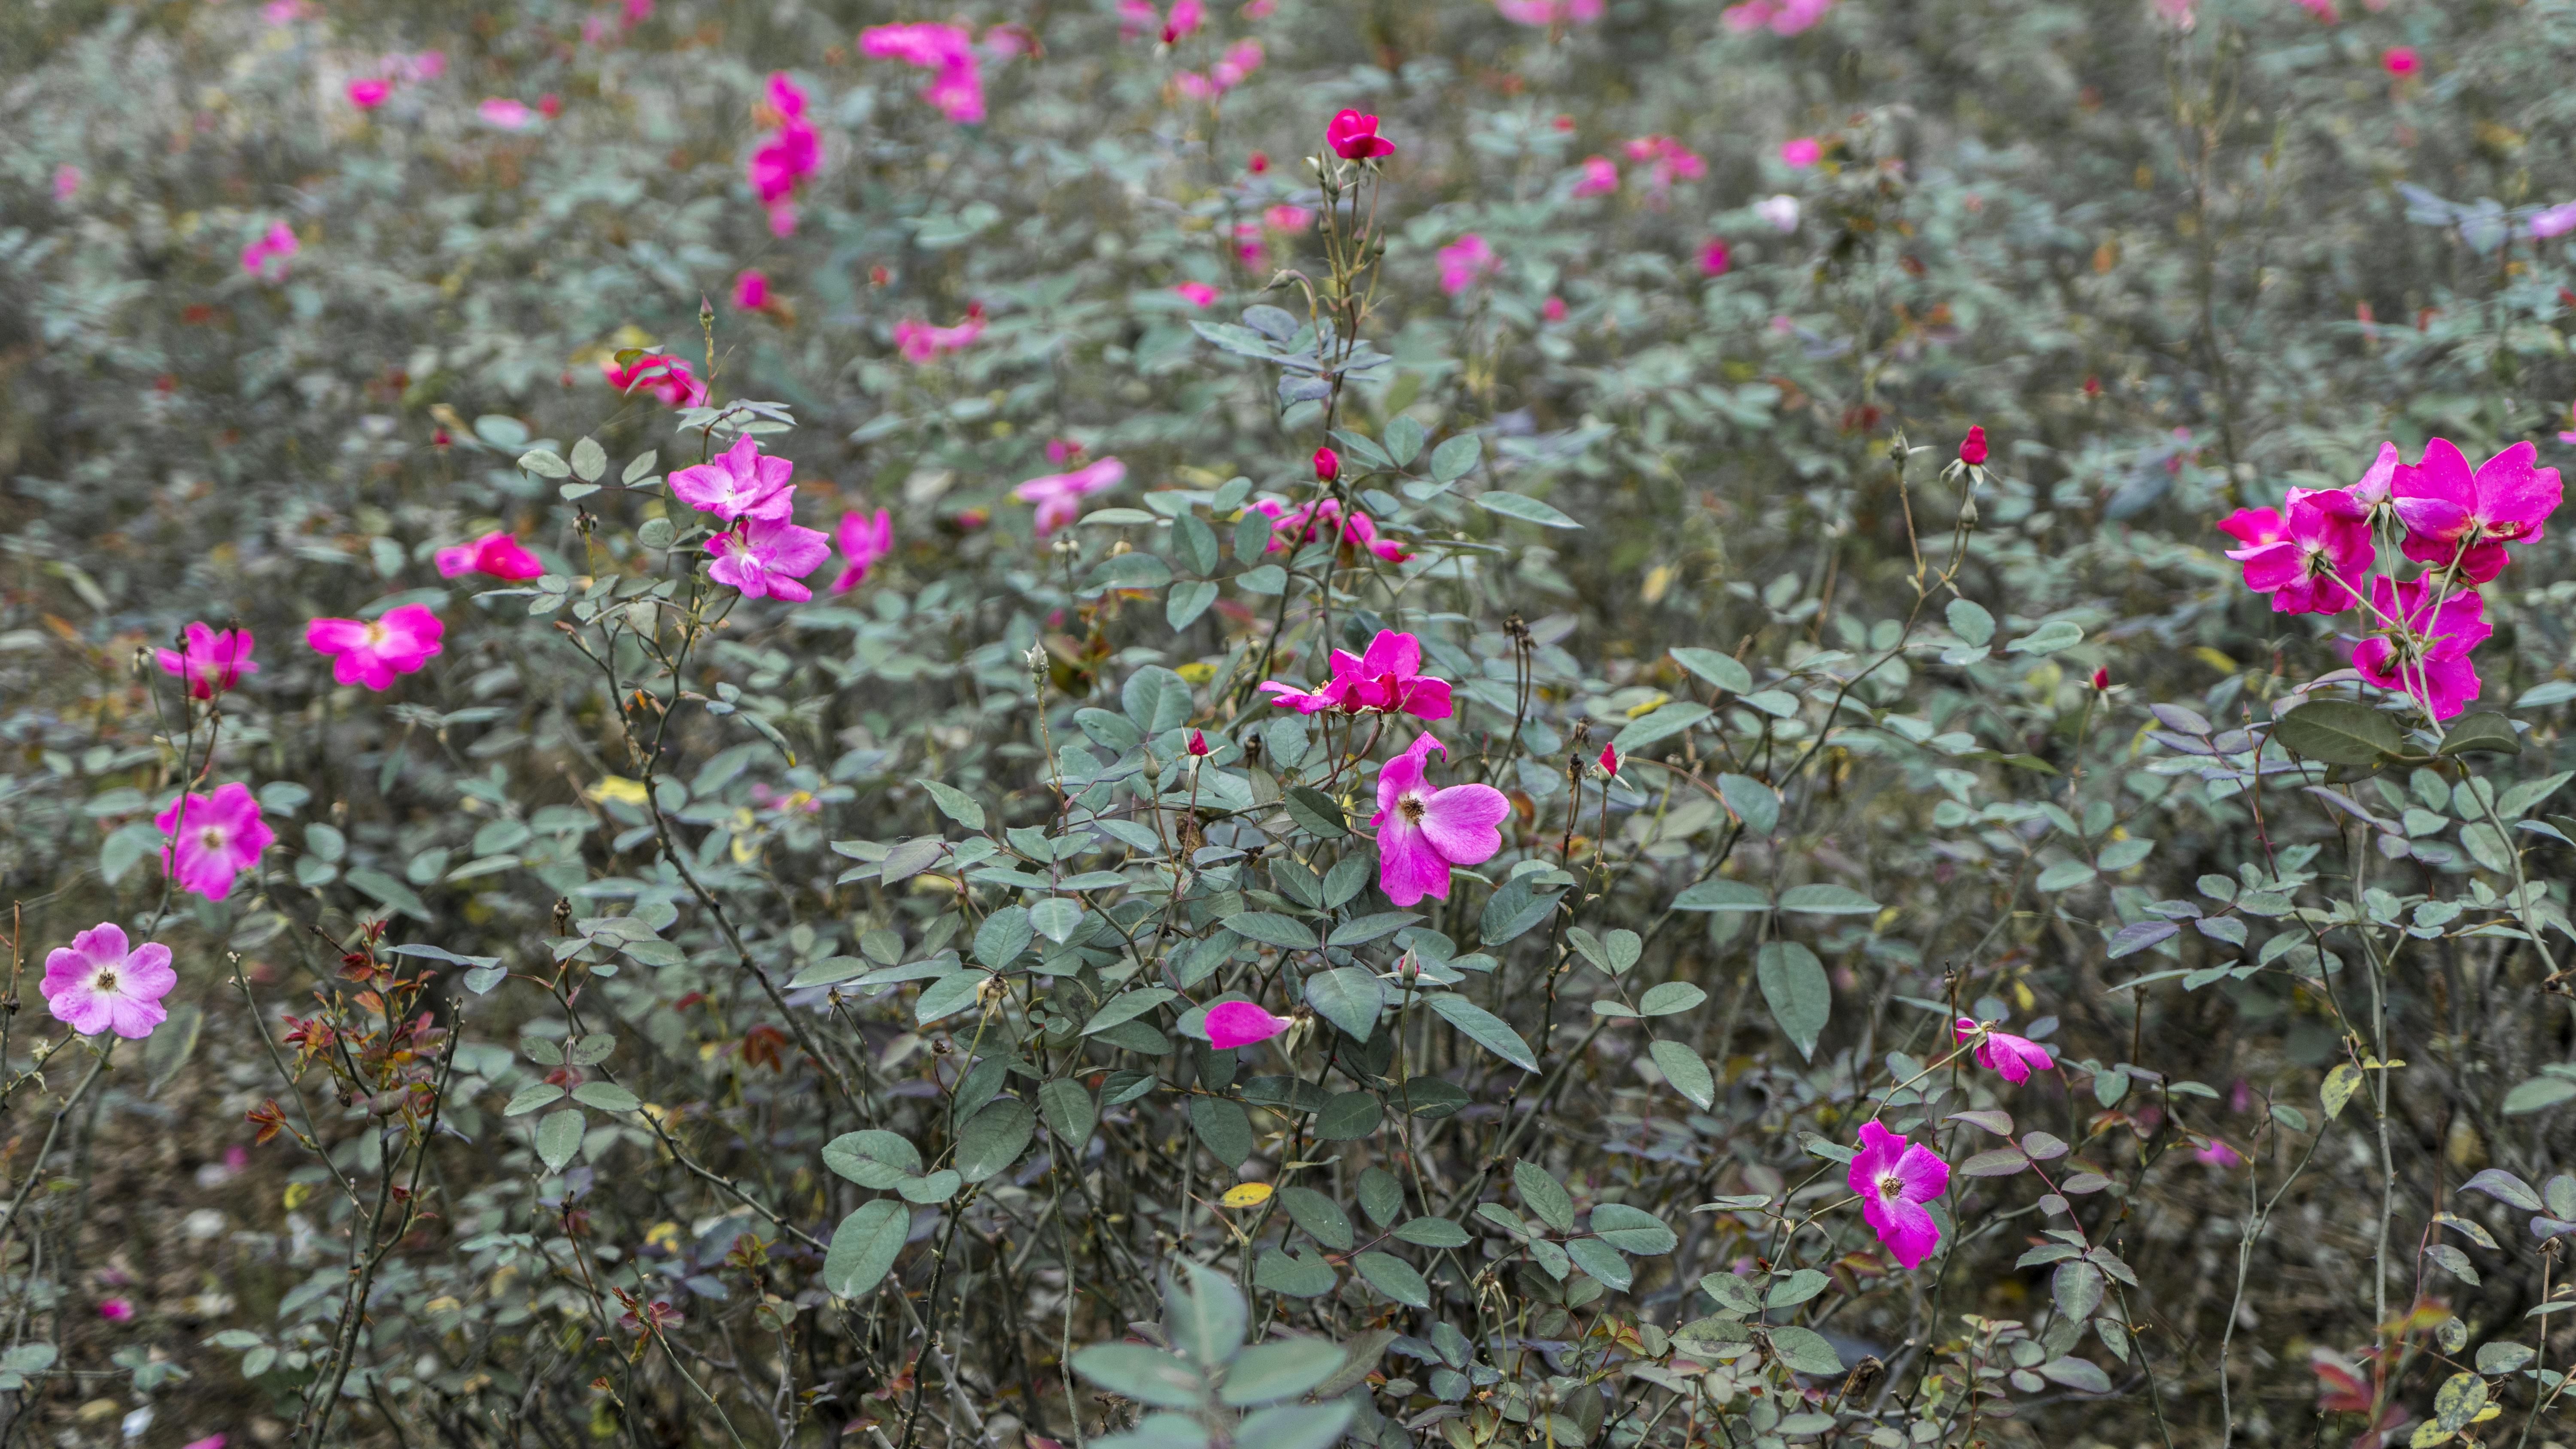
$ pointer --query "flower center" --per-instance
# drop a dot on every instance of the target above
(1891, 1187)
(106, 980)
(375, 635)
(1412, 807)
(212, 837)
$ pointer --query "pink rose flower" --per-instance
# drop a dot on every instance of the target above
(956, 89)
(119, 1310)
(1895, 1178)
(1354, 137)
(1422, 831)
(1801, 153)
(784, 95)
(1600, 177)
(212, 839)
(1714, 258)
(209, 661)
(751, 290)
(1553, 309)
(67, 182)
(1549, 12)
(495, 553)
(2010, 1057)
(1465, 262)
(2553, 221)
(1780, 17)
(2400, 60)
(96, 984)
(920, 342)
(369, 93)
(2325, 544)
(2448, 511)
(276, 245)
(740, 483)
(1232, 1024)
(1197, 294)
(1059, 496)
(1387, 679)
(765, 557)
(864, 540)
(2430, 663)
(373, 652)
(506, 114)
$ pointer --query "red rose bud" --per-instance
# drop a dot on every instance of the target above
(1260, 162)
(1328, 465)
(1610, 760)
(1198, 743)
(2102, 679)
(1972, 449)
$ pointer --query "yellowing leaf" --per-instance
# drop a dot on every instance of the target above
(2214, 659)
(2339, 1087)
(1649, 705)
(618, 789)
(1196, 671)
(1246, 1195)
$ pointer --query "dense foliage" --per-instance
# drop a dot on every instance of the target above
(1543, 722)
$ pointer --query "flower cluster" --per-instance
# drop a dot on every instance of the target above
(2315, 555)
(763, 552)
(1325, 519)
(1667, 162)
(956, 88)
(266, 257)
(792, 153)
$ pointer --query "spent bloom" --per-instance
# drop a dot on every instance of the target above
(372, 652)
(2010, 1057)
(210, 661)
(1779, 212)
(369, 92)
(956, 88)
(1059, 496)
(740, 483)
(1895, 1178)
(1600, 177)
(766, 556)
(2430, 661)
(2323, 543)
(1801, 152)
(1465, 262)
(276, 245)
(118, 1310)
(212, 838)
(1232, 1024)
(2449, 511)
(1423, 830)
(495, 553)
(1354, 137)
(1388, 679)
(97, 984)
(506, 114)
(864, 540)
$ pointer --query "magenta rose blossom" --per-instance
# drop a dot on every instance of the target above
(213, 838)
(864, 540)
(495, 553)
(211, 662)
(1895, 1178)
(765, 558)
(1423, 830)
(1388, 679)
(266, 258)
(1465, 262)
(96, 984)
(956, 89)
(1059, 496)
(2010, 1057)
(1232, 1024)
(1600, 177)
(1354, 137)
(740, 483)
(1197, 294)
(373, 652)
(367, 94)
(2324, 544)
(2448, 510)
(2433, 666)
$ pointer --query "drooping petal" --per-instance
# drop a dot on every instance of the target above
(1879, 1151)
(1232, 1024)
(1905, 1228)
(1409, 867)
(2254, 526)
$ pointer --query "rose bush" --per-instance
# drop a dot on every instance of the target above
(1537, 723)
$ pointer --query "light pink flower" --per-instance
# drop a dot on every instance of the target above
(373, 652)
(216, 1441)
(212, 839)
(1780, 212)
(67, 182)
(2448, 511)
(1801, 153)
(666, 377)
(1059, 496)
(1422, 831)
(2010, 1057)
(765, 557)
(1667, 161)
(2323, 10)
(1186, 18)
(1137, 17)
(118, 1310)
(1465, 262)
(864, 540)
(495, 553)
(2324, 545)
(2431, 664)
(1600, 177)
(786, 158)
(1238, 63)
(784, 96)
(2218, 1154)
(740, 483)
(211, 662)
(1288, 217)
(2176, 13)
(1232, 1024)
(1387, 679)
(369, 93)
(956, 89)
(1780, 17)
(1197, 294)
(1549, 12)
(276, 245)
(751, 290)
(506, 114)
(1714, 258)
(919, 342)
(2554, 221)
(284, 12)
(96, 984)
(1553, 309)
(1895, 1178)
(427, 65)
(2378, 482)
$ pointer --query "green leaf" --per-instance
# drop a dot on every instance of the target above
(2519, 801)
(1492, 1033)
(1805, 1350)
(1523, 508)
(2338, 732)
(1402, 439)
(1661, 724)
(2538, 1094)
(1223, 1128)
(1685, 1072)
(1432, 1233)
(1315, 812)
(1130, 571)
(1147, 1375)
(1794, 985)
(1322, 1219)
(993, 1138)
(1295, 1274)
(1971, 622)
(1294, 1426)
(1272, 929)
(1601, 1263)
(948, 995)
(1349, 1116)
(559, 1137)
(1268, 1372)
(1513, 911)
(2066, 875)
(1756, 804)
(872, 1158)
(2482, 733)
(537, 1094)
(1364, 929)
(1723, 895)
(1395, 1278)
(1187, 600)
(2048, 638)
(1718, 669)
(1066, 1104)
(545, 463)
(1003, 936)
(1056, 918)
(864, 1247)
(392, 893)
(1670, 998)
(1349, 997)
(606, 1096)
(1194, 543)
(1633, 1230)
(1827, 900)
(1127, 1006)
(1456, 458)
(2079, 1374)
(589, 460)
(954, 803)
(1156, 699)
(1544, 1196)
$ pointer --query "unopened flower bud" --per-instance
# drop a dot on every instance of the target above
(2102, 679)
(1198, 743)
(1328, 465)
(1972, 449)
